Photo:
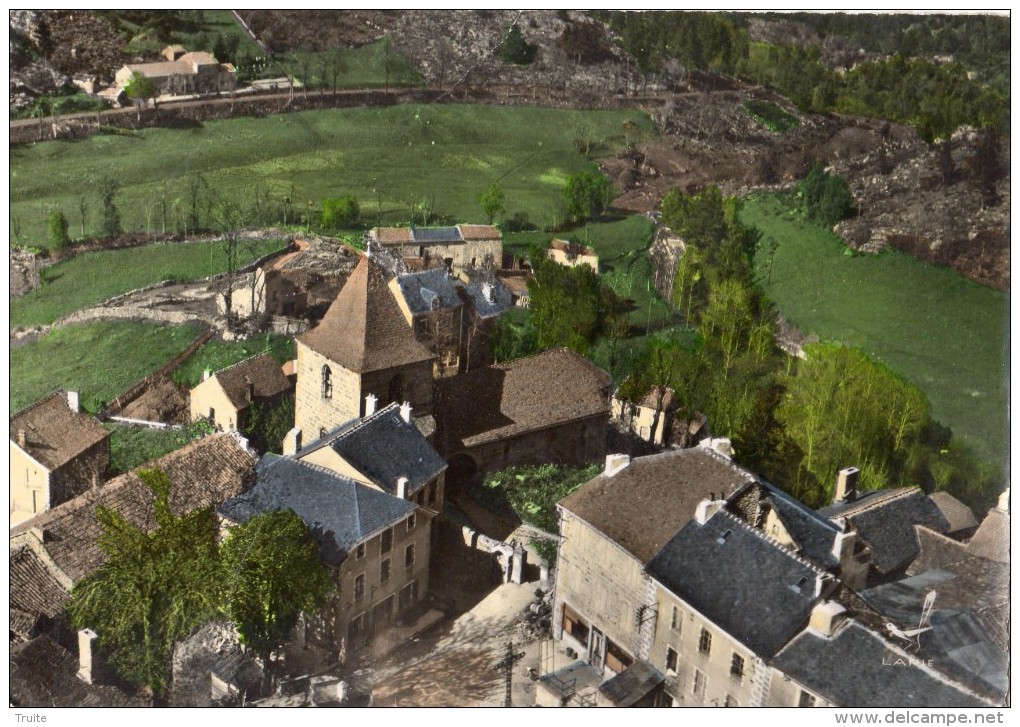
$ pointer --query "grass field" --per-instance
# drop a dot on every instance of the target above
(99, 360)
(945, 334)
(216, 355)
(91, 278)
(132, 446)
(393, 159)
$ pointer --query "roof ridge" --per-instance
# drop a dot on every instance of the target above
(46, 398)
(243, 361)
(889, 497)
(801, 507)
(363, 421)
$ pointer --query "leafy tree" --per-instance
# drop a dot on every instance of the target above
(515, 49)
(512, 339)
(273, 574)
(59, 239)
(568, 304)
(140, 88)
(532, 492)
(340, 212)
(491, 200)
(108, 188)
(587, 195)
(267, 424)
(158, 583)
(826, 197)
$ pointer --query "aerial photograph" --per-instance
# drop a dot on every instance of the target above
(510, 358)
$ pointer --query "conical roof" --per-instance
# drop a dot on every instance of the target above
(364, 330)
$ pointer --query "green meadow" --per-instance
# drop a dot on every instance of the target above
(943, 333)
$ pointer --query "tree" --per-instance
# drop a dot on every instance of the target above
(826, 197)
(140, 88)
(273, 574)
(587, 195)
(515, 49)
(340, 212)
(108, 188)
(229, 222)
(59, 239)
(156, 586)
(565, 304)
(491, 200)
(267, 424)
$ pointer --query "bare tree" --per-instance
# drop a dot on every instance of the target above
(83, 209)
(229, 220)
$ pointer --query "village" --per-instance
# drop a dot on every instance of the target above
(568, 452)
(398, 409)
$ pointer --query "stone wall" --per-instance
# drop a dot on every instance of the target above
(312, 411)
(574, 443)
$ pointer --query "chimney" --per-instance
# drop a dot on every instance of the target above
(822, 581)
(292, 442)
(720, 445)
(74, 401)
(402, 488)
(846, 485)
(405, 411)
(249, 392)
(206, 374)
(615, 463)
(22, 438)
(826, 616)
(843, 545)
(1003, 503)
(86, 637)
(487, 293)
(708, 508)
(370, 402)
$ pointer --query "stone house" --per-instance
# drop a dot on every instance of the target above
(651, 418)
(603, 608)
(383, 450)
(459, 247)
(376, 545)
(572, 254)
(182, 73)
(362, 346)
(485, 303)
(550, 407)
(56, 453)
(55, 549)
(434, 311)
(225, 397)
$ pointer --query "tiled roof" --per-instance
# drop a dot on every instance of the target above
(548, 389)
(204, 472)
(34, 589)
(364, 330)
(44, 674)
(885, 520)
(564, 246)
(428, 290)
(384, 448)
(479, 232)
(959, 516)
(642, 506)
(200, 57)
(261, 370)
(747, 584)
(55, 434)
(852, 669)
(339, 511)
(992, 537)
(392, 234)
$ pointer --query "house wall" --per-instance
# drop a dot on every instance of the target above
(312, 411)
(209, 395)
(574, 443)
(559, 256)
(441, 333)
(784, 692)
(638, 419)
(30, 485)
(472, 252)
(80, 474)
(326, 457)
(333, 627)
(599, 581)
(682, 633)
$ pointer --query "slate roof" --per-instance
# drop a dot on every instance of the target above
(204, 473)
(848, 670)
(642, 506)
(525, 395)
(339, 511)
(364, 330)
(422, 289)
(992, 537)
(55, 434)
(747, 584)
(261, 370)
(429, 235)
(44, 674)
(502, 299)
(630, 685)
(815, 535)
(885, 520)
(384, 448)
(969, 635)
(959, 517)
(479, 232)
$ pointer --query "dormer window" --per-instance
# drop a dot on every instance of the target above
(722, 538)
(798, 587)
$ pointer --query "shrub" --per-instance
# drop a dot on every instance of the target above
(340, 212)
(515, 49)
(59, 239)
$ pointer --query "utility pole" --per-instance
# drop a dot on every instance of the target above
(506, 664)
